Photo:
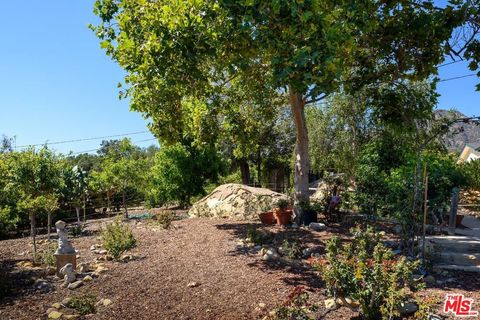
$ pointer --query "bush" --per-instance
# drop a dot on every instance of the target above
(118, 238)
(367, 272)
(258, 237)
(47, 256)
(296, 306)
(292, 249)
(83, 304)
(165, 218)
(77, 230)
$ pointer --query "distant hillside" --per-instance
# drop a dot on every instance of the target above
(461, 133)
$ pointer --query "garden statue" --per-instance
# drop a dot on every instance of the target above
(68, 274)
(64, 246)
(65, 253)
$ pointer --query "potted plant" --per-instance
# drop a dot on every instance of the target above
(267, 217)
(309, 212)
(281, 212)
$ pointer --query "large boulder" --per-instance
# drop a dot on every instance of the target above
(236, 201)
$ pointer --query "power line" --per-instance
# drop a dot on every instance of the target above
(79, 140)
(92, 150)
(459, 77)
(449, 63)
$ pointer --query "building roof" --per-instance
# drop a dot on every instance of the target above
(468, 154)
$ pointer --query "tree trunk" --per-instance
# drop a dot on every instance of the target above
(108, 202)
(84, 210)
(77, 209)
(33, 232)
(259, 169)
(244, 171)
(125, 204)
(49, 224)
(302, 164)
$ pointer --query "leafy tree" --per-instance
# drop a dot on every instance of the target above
(173, 51)
(179, 173)
(36, 176)
(472, 172)
(75, 188)
(122, 169)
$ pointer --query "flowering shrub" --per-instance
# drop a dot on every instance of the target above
(367, 272)
(296, 306)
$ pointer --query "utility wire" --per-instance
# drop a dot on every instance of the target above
(449, 63)
(91, 150)
(459, 77)
(84, 139)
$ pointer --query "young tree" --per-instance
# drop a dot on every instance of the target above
(36, 176)
(173, 50)
(75, 188)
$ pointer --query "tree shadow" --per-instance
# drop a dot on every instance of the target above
(296, 272)
(17, 282)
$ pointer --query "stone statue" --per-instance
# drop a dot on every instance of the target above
(68, 274)
(64, 246)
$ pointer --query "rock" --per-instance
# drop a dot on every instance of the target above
(41, 284)
(126, 257)
(83, 267)
(75, 285)
(430, 279)
(306, 253)
(262, 305)
(193, 284)
(66, 302)
(257, 248)
(87, 279)
(106, 302)
(397, 252)
(55, 315)
(317, 226)
(71, 316)
(50, 271)
(407, 308)
(271, 254)
(237, 201)
(56, 305)
(330, 304)
(93, 247)
(294, 226)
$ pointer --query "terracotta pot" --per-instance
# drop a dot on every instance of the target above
(283, 216)
(267, 217)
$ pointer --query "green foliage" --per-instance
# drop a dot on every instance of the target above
(77, 229)
(84, 303)
(472, 172)
(296, 306)
(282, 204)
(366, 271)
(258, 237)
(181, 172)
(164, 218)
(47, 256)
(292, 248)
(117, 238)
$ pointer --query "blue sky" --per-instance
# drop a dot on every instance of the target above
(57, 84)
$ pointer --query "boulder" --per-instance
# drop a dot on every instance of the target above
(236, 201)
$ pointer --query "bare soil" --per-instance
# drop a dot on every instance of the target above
(231, 281)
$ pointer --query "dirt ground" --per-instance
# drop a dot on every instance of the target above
(230, 281)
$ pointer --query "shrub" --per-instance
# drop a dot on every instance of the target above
(83, 304)
(366, 271)
(77, 230)
(258, 237)
(165, 218)
(118, 238)
(47, 256)
(281, 204)
(292, 249)
(296, 306)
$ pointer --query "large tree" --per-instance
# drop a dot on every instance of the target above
(175, 50)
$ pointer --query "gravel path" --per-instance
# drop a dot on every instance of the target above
(230, 283)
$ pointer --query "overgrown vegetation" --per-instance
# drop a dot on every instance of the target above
(83, 303)
(258, 237)
(296, 306)
(367, 272)
(47, 256)
(117, 238)
(292, 248)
